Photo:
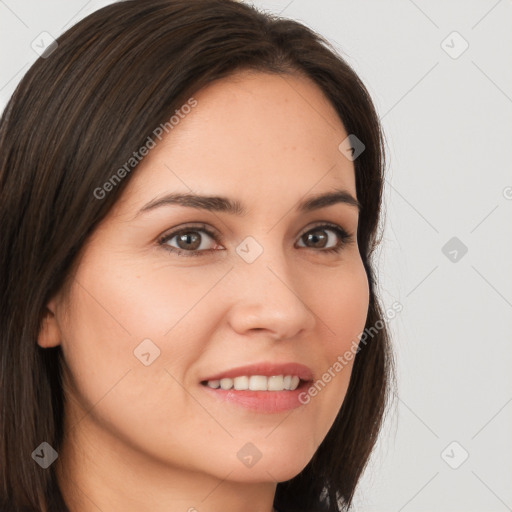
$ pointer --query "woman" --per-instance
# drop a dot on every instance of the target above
(190, 198)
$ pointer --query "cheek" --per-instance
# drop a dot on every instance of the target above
(109, 384)
(343, 307)
(124, 301)
(114, 306)
(343, 310)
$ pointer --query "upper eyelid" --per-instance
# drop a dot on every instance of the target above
(176, 231)
(210, 231)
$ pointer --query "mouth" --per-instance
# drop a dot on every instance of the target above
(256, 383)
(263, 388)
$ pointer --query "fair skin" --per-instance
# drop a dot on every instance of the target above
(150, 438)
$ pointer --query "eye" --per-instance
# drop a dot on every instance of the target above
(189, 241)
(320, 238)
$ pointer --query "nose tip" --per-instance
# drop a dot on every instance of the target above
(268, 302)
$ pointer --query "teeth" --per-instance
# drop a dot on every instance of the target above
(226, 383)
(276, 383)
(257, 383)
(241, 383)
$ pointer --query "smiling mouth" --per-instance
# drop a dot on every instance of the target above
(256, 383)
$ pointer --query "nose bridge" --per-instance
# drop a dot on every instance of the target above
(267, 297)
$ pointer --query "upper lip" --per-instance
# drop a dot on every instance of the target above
(266, 369)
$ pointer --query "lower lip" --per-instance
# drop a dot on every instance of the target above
(269, 402)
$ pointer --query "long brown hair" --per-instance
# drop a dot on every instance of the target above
(78, 114)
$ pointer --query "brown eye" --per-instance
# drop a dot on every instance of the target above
(317, 238)
(189, 240)
(192, 240)
(326, 238)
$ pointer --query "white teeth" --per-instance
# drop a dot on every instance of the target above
(226, 383)
(275, 383)
(241, 383)
(257, 383)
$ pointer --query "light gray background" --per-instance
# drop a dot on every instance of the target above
(448, 123)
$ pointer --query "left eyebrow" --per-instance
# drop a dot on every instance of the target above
(235, 207)
(327, 199)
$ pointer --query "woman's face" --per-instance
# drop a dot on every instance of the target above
(151, 314)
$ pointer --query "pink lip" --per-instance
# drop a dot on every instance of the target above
(269, 402)
(263, 401)
(266, 369)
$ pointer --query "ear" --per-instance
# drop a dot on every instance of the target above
(49, 333)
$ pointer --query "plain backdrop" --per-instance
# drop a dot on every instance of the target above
(440, 75)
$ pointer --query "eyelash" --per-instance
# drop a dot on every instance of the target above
(345, 237)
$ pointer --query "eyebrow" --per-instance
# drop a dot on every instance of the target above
(235, 207)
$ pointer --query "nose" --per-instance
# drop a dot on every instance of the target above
(267, 298)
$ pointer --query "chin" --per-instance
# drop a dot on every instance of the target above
(279, 468)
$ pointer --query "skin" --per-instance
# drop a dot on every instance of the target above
(149, 438)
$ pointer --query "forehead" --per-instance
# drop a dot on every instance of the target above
(250, 134)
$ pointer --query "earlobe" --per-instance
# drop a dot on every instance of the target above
(49, 333)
